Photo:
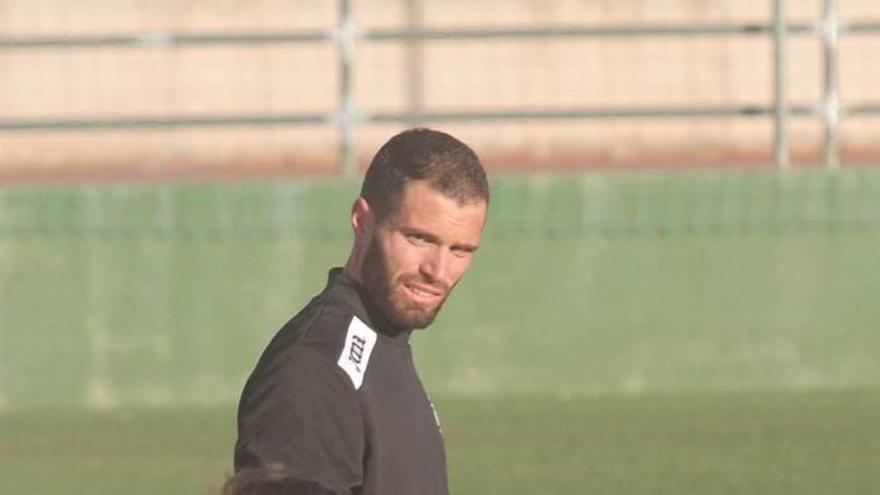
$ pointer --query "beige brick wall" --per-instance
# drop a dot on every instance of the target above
(472, 75)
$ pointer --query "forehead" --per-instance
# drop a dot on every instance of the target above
(423, 206)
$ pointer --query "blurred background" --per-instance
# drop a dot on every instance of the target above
(686, 205)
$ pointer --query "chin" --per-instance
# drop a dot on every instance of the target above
(413, 318)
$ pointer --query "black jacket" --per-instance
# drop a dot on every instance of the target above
(335, 399)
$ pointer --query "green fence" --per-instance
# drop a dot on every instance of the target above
(610, 204)
(603, 283)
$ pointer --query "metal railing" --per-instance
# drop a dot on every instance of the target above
(347, 116)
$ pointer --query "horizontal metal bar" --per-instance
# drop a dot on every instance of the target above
(580, 31)
(567, 114)
(57, 124)
(588, 113)
(134, 122)
(864, 109)
(163, 39)
(860, 27)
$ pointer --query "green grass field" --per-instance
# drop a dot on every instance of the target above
(747, 443)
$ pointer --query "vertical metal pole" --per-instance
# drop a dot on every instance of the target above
(345, 119)
(414, 66)
(780, 82)
(831, 100)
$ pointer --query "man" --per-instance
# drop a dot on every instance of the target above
(335, 398)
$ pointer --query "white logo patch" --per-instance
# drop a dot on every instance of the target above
(355, 355)
(436, 416)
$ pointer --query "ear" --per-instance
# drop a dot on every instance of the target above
(362, 219)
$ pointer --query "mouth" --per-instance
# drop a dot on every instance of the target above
(423, 294)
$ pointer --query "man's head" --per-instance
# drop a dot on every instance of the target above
(417, 223)
(270, 480)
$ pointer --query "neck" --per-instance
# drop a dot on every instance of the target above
(352, 268)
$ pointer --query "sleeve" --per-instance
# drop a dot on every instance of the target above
(298, 411)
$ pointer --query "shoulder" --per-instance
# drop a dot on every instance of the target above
(299, 409)
(331, 326)
(326, 338)
(295, 384)
(320, 325)
(344, 340)
(293, 372)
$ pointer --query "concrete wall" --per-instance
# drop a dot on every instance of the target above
(470, 75)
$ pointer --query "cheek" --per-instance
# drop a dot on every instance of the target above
(401, 256)
(459, 267)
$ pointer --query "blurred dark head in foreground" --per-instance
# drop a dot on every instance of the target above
(270, 480)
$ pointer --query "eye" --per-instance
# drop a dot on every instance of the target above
(462, 252)
(417, 238)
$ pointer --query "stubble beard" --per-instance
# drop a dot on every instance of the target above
(401, 311)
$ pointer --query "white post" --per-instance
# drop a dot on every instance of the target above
(831, 100)
(414, 65)
(345, 44)
(780, 81)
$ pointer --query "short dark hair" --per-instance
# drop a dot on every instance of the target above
(270, 480)
(447, 164)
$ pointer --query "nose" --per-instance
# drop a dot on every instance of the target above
(435, 265)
